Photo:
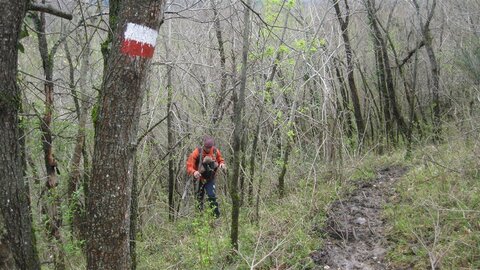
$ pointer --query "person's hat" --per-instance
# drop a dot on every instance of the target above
(208, 142)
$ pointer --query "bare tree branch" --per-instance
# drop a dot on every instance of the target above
(411, 53)
(50, 10)
(150, 129)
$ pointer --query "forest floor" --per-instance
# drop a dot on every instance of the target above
(355, 228)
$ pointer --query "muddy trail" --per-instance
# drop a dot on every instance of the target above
(355, 231)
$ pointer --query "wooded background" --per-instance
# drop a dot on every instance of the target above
(94, 145)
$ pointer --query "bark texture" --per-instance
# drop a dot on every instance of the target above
(110, 188)
(16, 230)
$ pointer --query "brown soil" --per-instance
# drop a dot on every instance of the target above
(355, 231)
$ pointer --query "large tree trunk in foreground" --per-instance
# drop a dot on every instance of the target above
(16, 233)
(110, 188)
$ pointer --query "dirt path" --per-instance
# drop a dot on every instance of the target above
(355, 229)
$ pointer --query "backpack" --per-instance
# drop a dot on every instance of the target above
(207, 170)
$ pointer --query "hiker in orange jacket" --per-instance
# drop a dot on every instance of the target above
(203, 164)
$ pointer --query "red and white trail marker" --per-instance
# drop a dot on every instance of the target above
(139, 40)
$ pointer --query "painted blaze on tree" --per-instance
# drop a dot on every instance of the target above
(139, 40)
(110, 188)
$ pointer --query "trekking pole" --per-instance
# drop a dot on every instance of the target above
(185, 190)
(184, 198)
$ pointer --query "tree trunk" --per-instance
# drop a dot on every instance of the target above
(243, 166)
(106, 46)
(350, 68)
(219, 109)
(343, 103)
(409, 87)
(16, 230)
(434, 67)
(382, 79)
(253, 157)
(51, 206)
(281, 177)
(170, 143)
(412, 108)
(238, 105)
(386, 70)
(75, 177)
(134, 216)
(437, 124)
(110, 188)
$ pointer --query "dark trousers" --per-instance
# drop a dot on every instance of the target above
(207, 187)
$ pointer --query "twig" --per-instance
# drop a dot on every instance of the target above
(443, 166)
(50, 10)
(411, 53)
(139, 140)
(43, 80)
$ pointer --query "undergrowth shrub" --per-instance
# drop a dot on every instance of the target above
(284, 234)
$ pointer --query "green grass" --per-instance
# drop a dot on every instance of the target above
(284, 235)
(288, 230)
(434, 220)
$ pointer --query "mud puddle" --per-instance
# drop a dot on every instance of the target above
(355, 233)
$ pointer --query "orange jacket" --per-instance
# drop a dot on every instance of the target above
(192, 161)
